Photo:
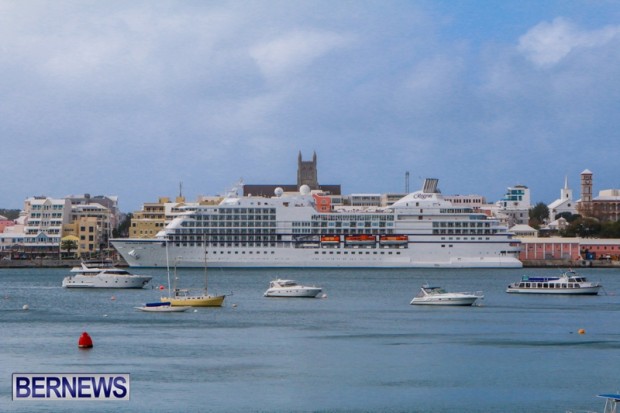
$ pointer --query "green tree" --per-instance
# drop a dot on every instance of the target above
(610, 230)
(538, 214)
(68, 245)
(122, 231)
(10, 213)
(584, 228)
(568, 216)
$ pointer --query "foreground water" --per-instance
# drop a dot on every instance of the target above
(363, 348)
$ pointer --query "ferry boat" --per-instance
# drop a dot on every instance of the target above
(568, 282)
(422, 229)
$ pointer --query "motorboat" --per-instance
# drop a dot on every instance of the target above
(611, 403)
(162, 308)
(86, 276)
(290, 288)
(569, 282)
(432, 295)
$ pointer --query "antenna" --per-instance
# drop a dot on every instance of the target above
(407, 182)
(180, 189)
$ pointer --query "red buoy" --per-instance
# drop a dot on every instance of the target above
(85, 341)
(161, 287)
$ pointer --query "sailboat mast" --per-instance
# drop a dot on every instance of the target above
(206, 282)
(168, 266)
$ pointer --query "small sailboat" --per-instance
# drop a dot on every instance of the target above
(184, 297)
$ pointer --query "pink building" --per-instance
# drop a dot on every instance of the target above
(5, 223)
(549, 249)
(569, 248)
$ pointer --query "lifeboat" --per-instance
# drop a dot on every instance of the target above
(393, 239)
(360, 239)
(330, 239)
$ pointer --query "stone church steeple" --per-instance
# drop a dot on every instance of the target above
(307, 172)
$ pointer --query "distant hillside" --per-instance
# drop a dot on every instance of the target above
(9, 213)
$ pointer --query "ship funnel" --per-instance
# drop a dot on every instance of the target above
(430, 186)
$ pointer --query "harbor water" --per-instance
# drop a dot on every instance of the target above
(361, 348)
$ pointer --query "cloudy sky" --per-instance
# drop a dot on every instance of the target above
(130, 98)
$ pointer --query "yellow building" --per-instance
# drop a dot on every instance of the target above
(85, 229)
(153, 217)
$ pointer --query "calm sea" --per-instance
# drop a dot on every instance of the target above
(363, 348)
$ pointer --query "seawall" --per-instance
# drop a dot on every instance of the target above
(571, 264)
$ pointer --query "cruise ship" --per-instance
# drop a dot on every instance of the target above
(422, 230)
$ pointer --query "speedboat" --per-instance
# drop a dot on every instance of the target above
(611, 403)
(431, 295)
(161, 308)
(103, 277)
(568, 282)
(290, 288)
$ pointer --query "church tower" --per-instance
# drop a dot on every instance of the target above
(566, 194)
(307, 172)
(586, 186)
(585, 204)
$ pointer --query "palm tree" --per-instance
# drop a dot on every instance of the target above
(68, 244)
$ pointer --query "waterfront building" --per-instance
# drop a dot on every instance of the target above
(85, 229)
(573, 249)
(42, 221)
(365, 200)
(605, 207)
(153, 217)
(553, 248)
(79, 203)
(513, 209)
(477, 202)
(523, 230)
(5, 222)
(389, 198)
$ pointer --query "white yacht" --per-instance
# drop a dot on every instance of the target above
(290, 288)
(430, 295)
(568, 282)
(103, 277)
(421, 229)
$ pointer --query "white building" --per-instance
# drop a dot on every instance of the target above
(564, 204)
(39, 228)
(514, 208)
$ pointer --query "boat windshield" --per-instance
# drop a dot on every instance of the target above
(434, 290)
(284, 283)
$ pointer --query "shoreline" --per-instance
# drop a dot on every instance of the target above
(50, 263)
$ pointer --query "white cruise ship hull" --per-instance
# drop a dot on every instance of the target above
(152, 253)
(419, 230)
